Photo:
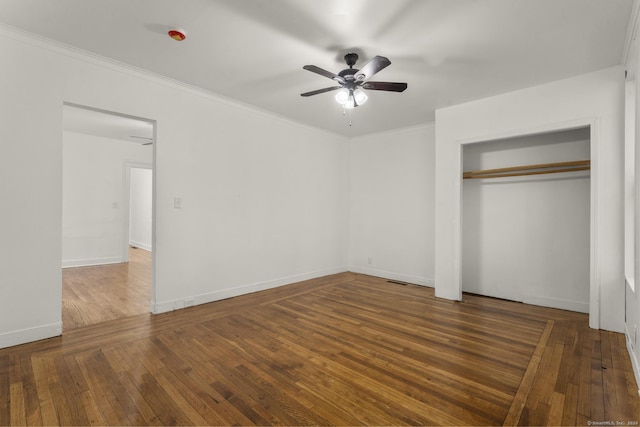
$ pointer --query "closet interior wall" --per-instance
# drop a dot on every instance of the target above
(527, 238)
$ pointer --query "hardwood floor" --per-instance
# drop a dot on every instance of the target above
(101, 293)
(346, 349)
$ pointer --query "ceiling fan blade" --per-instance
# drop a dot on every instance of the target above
(324, 73)
(326, 89)
(388, 86)
(372, 67)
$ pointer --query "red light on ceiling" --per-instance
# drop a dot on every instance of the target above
(178, 35)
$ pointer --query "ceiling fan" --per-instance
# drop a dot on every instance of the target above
(351, 81)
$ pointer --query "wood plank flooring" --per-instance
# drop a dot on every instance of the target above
(96, 294)
(346, 349)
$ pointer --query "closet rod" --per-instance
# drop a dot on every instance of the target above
(539, 169)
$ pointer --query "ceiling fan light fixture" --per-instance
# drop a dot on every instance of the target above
(351, 98)
(352, 81)
(350, 104)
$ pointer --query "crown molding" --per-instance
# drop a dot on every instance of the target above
(131, 70)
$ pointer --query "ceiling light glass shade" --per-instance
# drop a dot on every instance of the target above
(350, 99)
(349, 104)
(342, 96)
(360, 96)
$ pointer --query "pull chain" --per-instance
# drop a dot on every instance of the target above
(344, 113)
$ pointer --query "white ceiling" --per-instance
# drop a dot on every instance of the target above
(448, 51)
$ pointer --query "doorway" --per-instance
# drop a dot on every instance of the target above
(106, 274)
(138, 229)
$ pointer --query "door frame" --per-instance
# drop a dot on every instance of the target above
(154, 123)
(520, 295)
(455, 292)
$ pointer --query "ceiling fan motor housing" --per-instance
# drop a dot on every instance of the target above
(349, 73)
(351, 59)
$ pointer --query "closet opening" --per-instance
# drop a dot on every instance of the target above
(526, 221)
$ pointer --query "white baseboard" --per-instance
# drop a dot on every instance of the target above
(140, 245)
(165, 306)
(68, 263)
(563, 304)
(632, 355)
(9, 339)
(393, 276)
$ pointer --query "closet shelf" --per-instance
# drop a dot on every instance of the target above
(539, 169)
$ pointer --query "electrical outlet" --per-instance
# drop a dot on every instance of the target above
(177, 202)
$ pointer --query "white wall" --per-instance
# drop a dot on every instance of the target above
(391, 182)
(527, 238)
(93, 205)
(31, 179)
(595, 99)
(265, 200)
(632, 200)
(632, 223)
(141, 208)
(629, 182)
